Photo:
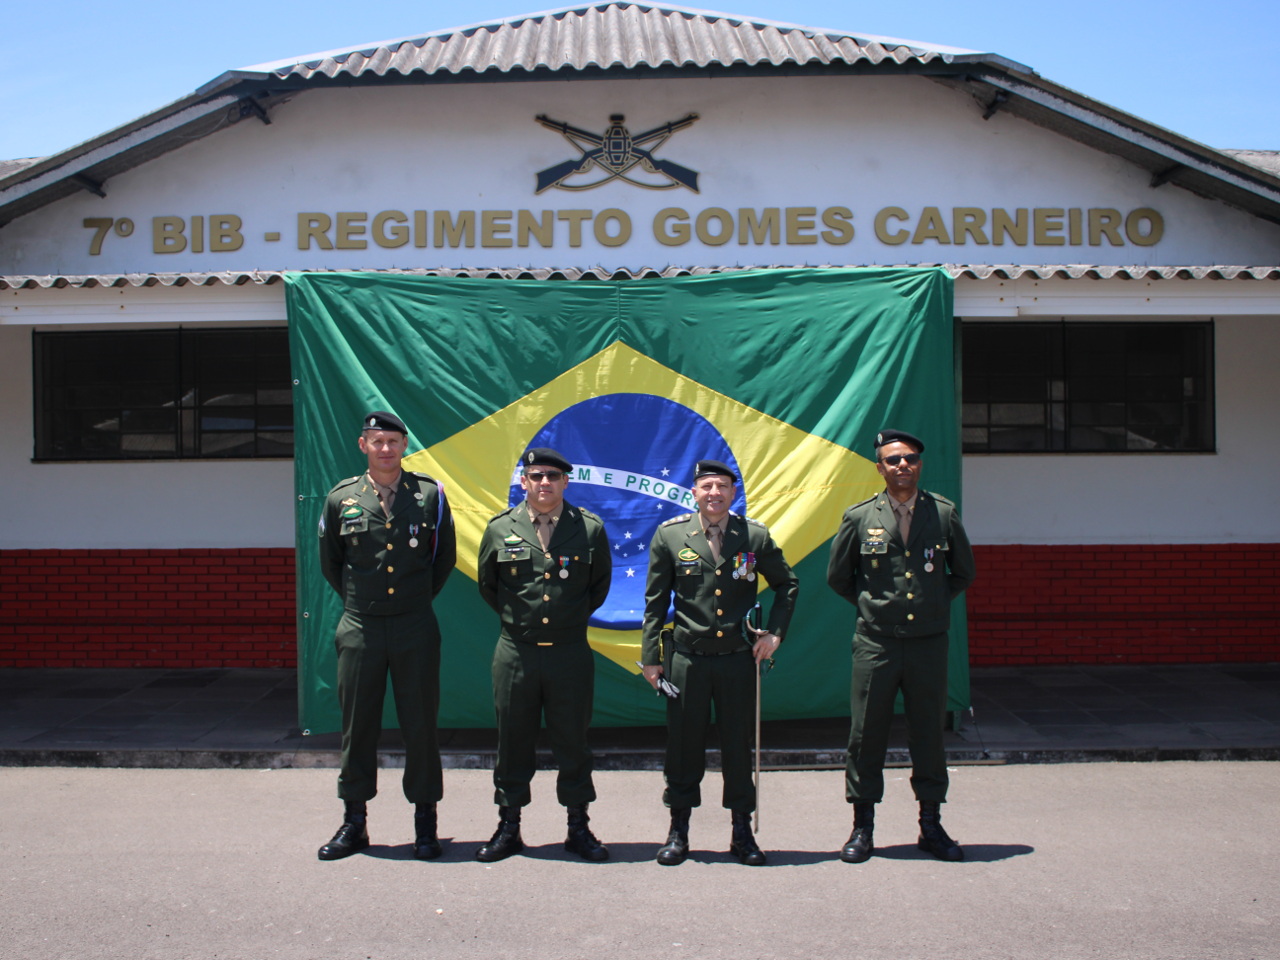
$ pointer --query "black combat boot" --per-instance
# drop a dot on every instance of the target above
(933, 839)
(426, 845)
(861, 842)
(506, 839)
(743, 844)
(580, 839)
(352, 836)
(676, 848)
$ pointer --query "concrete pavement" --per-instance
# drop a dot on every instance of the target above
(1148, 861)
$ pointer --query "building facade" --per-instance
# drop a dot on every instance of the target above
(1117, 286)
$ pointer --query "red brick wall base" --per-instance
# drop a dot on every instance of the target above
(1179, 603)
(1031, 605)
(147, 608)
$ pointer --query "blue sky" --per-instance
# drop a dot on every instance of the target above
(73, 69)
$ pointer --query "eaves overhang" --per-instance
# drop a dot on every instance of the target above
(1171, 159)
(1007, 271)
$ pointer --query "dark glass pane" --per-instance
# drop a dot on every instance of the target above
(116, 395)
(1096, 389)
(1017, 414)
(1131, 386)
(227, 444)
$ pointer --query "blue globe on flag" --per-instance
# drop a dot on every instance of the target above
(633, 457)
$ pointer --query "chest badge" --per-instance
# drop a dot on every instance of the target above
(352, 511)
(687, 554)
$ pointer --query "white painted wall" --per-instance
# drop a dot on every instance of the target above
(237, 503)
(860, 142)
(1118, 498)
(1232, 496)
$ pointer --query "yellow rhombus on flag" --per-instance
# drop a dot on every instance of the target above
(799, 484)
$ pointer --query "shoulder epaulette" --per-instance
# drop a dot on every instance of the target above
(754, 521)
(347, 482)
(862, 503)
(939, 497)
(504, 513)
(683, 518)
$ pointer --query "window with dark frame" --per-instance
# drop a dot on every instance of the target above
(163, 394)
(1088, 387)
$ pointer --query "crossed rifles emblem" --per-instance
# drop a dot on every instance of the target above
(617, 154)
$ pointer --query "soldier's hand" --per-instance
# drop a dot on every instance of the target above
(652, 674)
(766, 644)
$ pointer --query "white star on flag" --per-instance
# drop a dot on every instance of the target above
(631, 571)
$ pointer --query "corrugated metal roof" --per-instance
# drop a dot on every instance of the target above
(611, 35)
(1268, 160)
(1061, 271)
(13, 166)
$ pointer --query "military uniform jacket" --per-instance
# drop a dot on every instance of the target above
(901, 590)
(384, 565)
(710, 601)
(545, 596)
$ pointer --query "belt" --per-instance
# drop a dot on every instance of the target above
(689, 651)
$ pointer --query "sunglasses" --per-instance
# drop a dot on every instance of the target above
(894, 459)
(537, 476)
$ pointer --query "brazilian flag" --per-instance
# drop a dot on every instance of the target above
(784, 374)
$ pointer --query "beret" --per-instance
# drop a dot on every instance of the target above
(898, 436)
(381, 420)
(547, 456)
(708, 468)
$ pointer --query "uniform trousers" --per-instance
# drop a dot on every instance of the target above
(881, 667)
(407, 646)
(532, 682)
(728, 683)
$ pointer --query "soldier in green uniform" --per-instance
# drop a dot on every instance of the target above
(387, 546)
(901, 557)
(710, 561)
(544, 566)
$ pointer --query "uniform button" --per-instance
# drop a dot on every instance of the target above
(391, 546)
(546, 596)
(907, 553)
(391, 590)
(719, 613)
(908, 574)
(911, 616)
(388, 526)
(717, 593)
(546, 576)
(717, 573)
(391, 569)
(911, 596)
(719, 633)
(546, 619)
(547, 555)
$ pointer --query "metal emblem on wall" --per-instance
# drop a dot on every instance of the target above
(618, 156)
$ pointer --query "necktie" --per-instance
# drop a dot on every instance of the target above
(543, 524)
(713, 538)
(904, 520)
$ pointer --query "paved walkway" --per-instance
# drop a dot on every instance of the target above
(248, 718)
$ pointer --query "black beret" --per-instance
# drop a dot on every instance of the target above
(898, 436)
(381, 420)
(710, 468)
(545, 455)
